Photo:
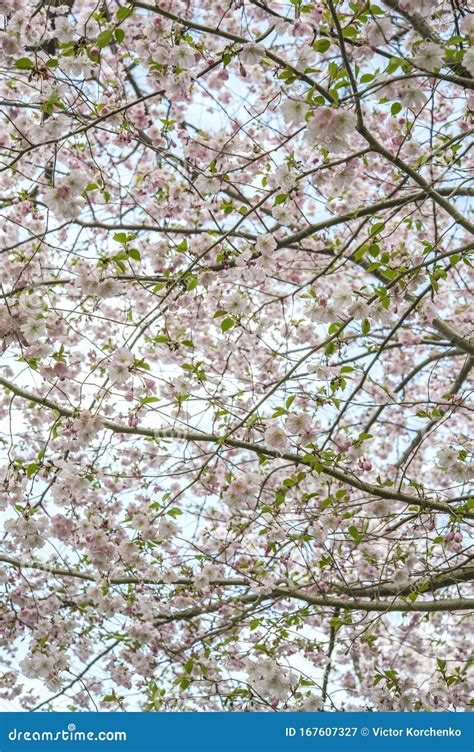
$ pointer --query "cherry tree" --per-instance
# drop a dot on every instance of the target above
(237, 353)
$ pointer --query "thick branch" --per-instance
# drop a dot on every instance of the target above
(424, 29)
(260, 449)
(358, 604)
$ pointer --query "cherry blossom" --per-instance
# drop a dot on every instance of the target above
(266, 244)
(119, 366)
(252, 53)
(237, 356)
(429, 56)
(331, 128)
(294, 111)
(276, 438)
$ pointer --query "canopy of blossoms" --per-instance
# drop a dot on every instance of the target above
(237, 350)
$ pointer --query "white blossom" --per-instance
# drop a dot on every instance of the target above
(331, 128)
(467, 25)
(298, 423)
(379, 31)
(252, 53)
(33, 329)
(282, 214)
(119, 365)
(276, 438)
(206, 184)
(284, 177)
(422, 7)
(266, 244)
(183, 56)
(65, 199)
(410, 95)
(241, 492)
(468, 60)
(270, 681)
(294, 111)
(429, 56)
(87, 426)
(359, 310)
(236, 303)
(167, 528)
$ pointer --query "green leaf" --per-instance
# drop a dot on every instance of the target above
(31, 469)
(330, 349)
(321, 45)
(119, 264)
(227, 324)
(326, 503)
(396, 108)
(354, 533)
(141, 363)
(394, 63)
(134, 253)
(104, 38)
(119, 35)
(123, 13)
(120, 237)
(52, 102)
(376, 228)
(174, 512)
(24, 63)
(390, 273)
(365, 326)
(191, 282)
(349, 32)
(374, 249)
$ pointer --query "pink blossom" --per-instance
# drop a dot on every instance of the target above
(276, 438)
